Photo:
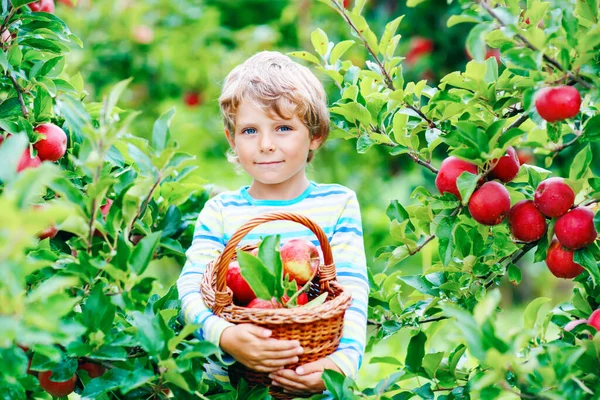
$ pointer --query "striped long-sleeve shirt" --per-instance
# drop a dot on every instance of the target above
(333, 207)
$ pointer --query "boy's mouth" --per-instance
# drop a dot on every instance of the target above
(269, 162)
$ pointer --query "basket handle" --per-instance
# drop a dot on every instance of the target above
(222, 262)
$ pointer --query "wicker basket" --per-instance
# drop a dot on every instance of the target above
(318, 328)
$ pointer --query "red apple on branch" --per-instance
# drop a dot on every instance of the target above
(507, 167)
(449, 171)
(93, 370)
(558, 103)
(43, 6)
(553, 197)
(490, 203)
(54, 146)
(575, 229)
(560, 261)
(526, 222)
(27, 161)
(419, 47)
(57, 389)
(300, 260)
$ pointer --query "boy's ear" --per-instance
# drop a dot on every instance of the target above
(230, 138)
(315, 143)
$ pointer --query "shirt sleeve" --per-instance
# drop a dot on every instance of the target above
(207, 244)
(349, 256)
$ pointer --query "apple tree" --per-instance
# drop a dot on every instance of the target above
(482, 209)
(85, 207)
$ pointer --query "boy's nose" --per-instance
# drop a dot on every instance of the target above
(267, 144)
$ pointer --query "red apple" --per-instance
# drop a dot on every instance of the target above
(143, 34)
(490, 203)
(560, 261)
(27, 161)
(526, 222)
(450, 170)
(493, 53)
(6, 36)
(553, 197)
(558, 103)
(594, 320)
(54, 146)
(242, 292)
(524, 156)
(49, 232)
(262, 303)
(42, 5)
(507, 166)
(300, 260)
(301, 300)
(418, 47)
(105, 209)
(57, 389)
(68, 3)
(192, 99)
(347, 3)
(576, 229)
(93, 370)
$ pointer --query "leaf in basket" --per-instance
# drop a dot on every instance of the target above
(257, 275)
(317, 301)
(268, 252)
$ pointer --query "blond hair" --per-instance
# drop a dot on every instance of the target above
(278, 85)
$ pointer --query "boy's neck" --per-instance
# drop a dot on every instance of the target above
(281, 191)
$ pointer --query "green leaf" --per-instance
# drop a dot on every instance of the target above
(531, 312)
(339, 50)
(42, 104)
(114, 95)
(306, 56)
(317, 301)
(143, 252)
(591, 130)
(50, 65)
(19, 3)
(258, 276)
(160, 131)
(390, 30)
(514, 274)
(585, 258)
(10, 107)
(3, 61)
(445, 238)
(581, 163)
(43, 45)
(476, 41)
(466, 184)
(268, 252)
(10, 154)
(469, 329)
(320, 41)
(415, 352)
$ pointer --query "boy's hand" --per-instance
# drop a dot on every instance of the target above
(252, 346)
(305, 379)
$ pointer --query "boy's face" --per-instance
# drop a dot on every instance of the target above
(272, 150)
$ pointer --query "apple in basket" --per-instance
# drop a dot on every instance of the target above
(300, 260)
(242, 292)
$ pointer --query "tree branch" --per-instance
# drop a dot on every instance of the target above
(144, 205)
(19, 94)
(529, 45)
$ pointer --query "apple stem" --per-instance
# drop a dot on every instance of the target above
(304, 288)
(528, 44)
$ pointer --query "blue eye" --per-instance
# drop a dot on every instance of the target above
(285, 128)
(249, 131)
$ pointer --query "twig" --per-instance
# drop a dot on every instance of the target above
(527, 43)
(19, 94)
(430, 238)
(514, 257)
(144, 205)
(7, 19)
(559, 148)
(426, 321)
(518, 122)
(417, 159)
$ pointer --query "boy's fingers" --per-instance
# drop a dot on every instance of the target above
(257, 331)
(281, 345)
(296, 351)
(310, 368)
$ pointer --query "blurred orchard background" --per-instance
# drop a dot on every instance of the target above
(178, 53)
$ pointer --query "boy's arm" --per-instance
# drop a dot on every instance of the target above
(349, 255)
(207, 244)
